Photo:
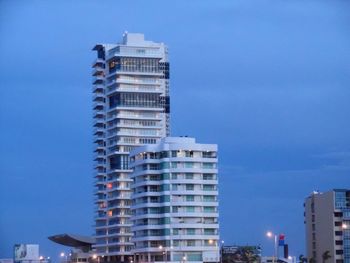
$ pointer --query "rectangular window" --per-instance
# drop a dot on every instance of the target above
(208, 187)
(165, 187)
(189, 176)
(209, 198)
(208, 165)
(165, 165)
(189, 187)
(189, 165)
(165, 198)
(191, 231)
(189, 198)
(190, 209)
(209, 231)
(208, 176)
(209, 209)
(209, 154)
(191, 243)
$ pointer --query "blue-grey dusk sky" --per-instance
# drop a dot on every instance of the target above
(267, 80)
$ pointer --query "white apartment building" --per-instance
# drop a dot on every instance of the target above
(131, 108)
(175, 201)
(327, 222)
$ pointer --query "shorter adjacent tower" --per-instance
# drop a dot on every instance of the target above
(175, 201)
(327, 220)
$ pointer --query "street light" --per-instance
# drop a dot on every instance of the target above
(269, 234)
(344, 226)
(222, 244)
(95, 256)
(165, 252)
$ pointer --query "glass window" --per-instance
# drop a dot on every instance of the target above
(189, 198)
(209, 209)
(190, 209)
(189, 187)
(191, 231)
(189, 176)
(209, 198)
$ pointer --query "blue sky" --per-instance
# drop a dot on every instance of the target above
(266, 80)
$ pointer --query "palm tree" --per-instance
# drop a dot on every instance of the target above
(312, 260)
(302, 259)
(325, 256)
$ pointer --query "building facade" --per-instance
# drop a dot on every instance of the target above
(175, 201)
(327, 222)
(131, 108)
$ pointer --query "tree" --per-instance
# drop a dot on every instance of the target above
(312, 260)
(325, 256)
(302, 259)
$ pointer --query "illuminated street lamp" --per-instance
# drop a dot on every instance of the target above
(222, 244)
(269, 234)
(95, 256)
(165, 252)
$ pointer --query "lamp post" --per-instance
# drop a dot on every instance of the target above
(269, 234)
(221, 246)
(95, 256)
(165, 252)
(64, 256)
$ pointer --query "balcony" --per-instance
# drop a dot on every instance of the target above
(99, 131)
(98, 97)
(98, 123)
(98, 89)
(98, 63)
(156, 81)
(98, 70)
(98, 80)
(157, 73)
(99, 114)
(138, 88)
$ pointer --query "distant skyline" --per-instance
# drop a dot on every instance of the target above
(268, 81)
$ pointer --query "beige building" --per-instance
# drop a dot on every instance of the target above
(327, 223)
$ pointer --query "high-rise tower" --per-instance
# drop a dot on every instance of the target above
(131, 108)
